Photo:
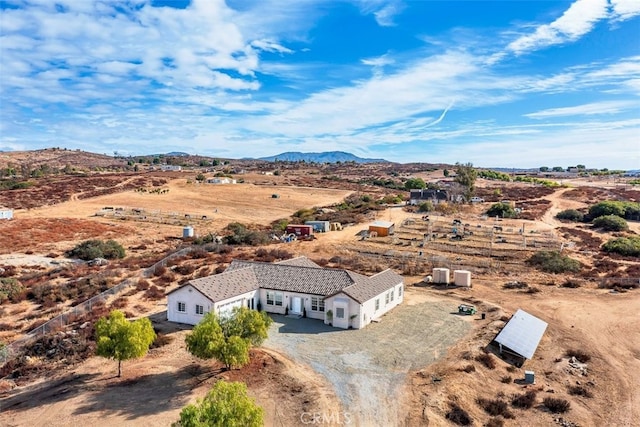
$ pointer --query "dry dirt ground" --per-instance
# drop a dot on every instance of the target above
(153, 389)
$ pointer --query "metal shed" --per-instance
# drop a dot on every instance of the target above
(521, 335)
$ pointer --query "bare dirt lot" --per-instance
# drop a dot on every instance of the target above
(325, 371)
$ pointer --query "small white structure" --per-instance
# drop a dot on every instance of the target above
(441, 276)
(175, 168)
(297, 286)
(6, 213)
(221, 180)
(187, 232)
(462, 278)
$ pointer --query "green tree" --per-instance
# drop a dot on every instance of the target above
(200, 177)
(229, 338)
(414, 183)
(557, 169)
(91, 249)
(554, 262)
(466, 176)
(607, 208)
(445, 172)
(570, 215)
(120, 339)
(544, 168)
(502, 210)
(226, 405)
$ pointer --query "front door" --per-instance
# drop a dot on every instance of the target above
(296, 305)
(341, 316)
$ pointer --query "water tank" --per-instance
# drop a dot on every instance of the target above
(441, 275)
(187, 232)
(462, 278)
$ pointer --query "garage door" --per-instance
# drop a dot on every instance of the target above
(228, 307)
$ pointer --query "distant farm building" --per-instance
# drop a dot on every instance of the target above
(419, 196)
(6, 213)
(174, 168)
(382, 228)
(221, 180)
(300, 229)
(521, 335)
(319, 226)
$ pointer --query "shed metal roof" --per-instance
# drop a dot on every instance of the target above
(383, 224)
(522, 333)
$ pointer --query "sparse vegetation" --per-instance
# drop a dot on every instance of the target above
(557, 406)
(571, 215)
(578, 390)
(525, 400)
(495, 407)
(487, 360)
(627, 246)
(610, 223)
(580, 355)
(458, 416)
(502, 210)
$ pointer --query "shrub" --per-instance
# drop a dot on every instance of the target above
(469, 368)
(161, 340)
(502, 210)
(506, 379)
(580, 355)
(628, 246)
(570, 284)
(458, 416)
(577, 390)
(524, 401)
(487, 360)
(557, 406)
(495, 407)
(91, 249)
(11, 289)
(621, 209)
(571, 215)
(142, 285)
(154, 293)
(610, 223)
(495, 422)
(554, 262)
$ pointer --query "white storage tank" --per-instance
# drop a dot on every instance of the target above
(441, 275)
(462, 278)
(187, 232)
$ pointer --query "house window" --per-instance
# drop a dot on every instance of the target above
(386, 298)
(400, 291)
(340, 313)
(182, 307)
(377, 304)
(317, 304)
(392, 292)
(278, 298)
(199, 309)
(269, 298)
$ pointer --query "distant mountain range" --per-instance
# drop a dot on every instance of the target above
(325, 157)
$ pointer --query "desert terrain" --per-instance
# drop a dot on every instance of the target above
(439, 358)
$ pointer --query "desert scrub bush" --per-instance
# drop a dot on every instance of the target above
(119, 303)
(628, 246)
(576, 390)
(154, 293)
(611, 223)
(468, 369)
(11, 289)
(525, 400)
(161, 340)
(90, 249)
(495, 407)
(506, 379)
(458, 416)
(487, 360)
(494, 422)
(554, 262)
(580, 355)
(185, 269)
(142, 285)
(573, 284)
(571, 215)
(511, 368)
(557, 406)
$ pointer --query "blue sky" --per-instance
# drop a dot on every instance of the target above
(498, 84)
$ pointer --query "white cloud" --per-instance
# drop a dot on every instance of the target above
(625, 9)
(594, 108)
(384, 11)
(575, 22)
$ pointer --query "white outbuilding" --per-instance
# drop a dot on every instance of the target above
(6, 213)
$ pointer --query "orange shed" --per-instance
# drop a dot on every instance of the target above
(382, 228)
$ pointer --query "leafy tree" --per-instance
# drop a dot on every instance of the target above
(226, 405)
(200, 177)
(120, 339)
(607, 208)
(414, 183)
(581, 167)
(445, 172)
(544, 168)
(571, 215)
(229, 338)
(629, 246)
(426, 206)
(558, 169)
(466, 176)
(90, 249)
(610, 223)
(502, 210)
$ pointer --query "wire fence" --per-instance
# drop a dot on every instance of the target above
(12, 350)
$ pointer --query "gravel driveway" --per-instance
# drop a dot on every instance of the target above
(367, 367)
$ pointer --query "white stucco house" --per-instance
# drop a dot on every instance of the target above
(297, 286)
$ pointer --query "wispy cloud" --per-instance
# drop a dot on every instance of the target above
(384, 11)
(575, 22)
(595, 108)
